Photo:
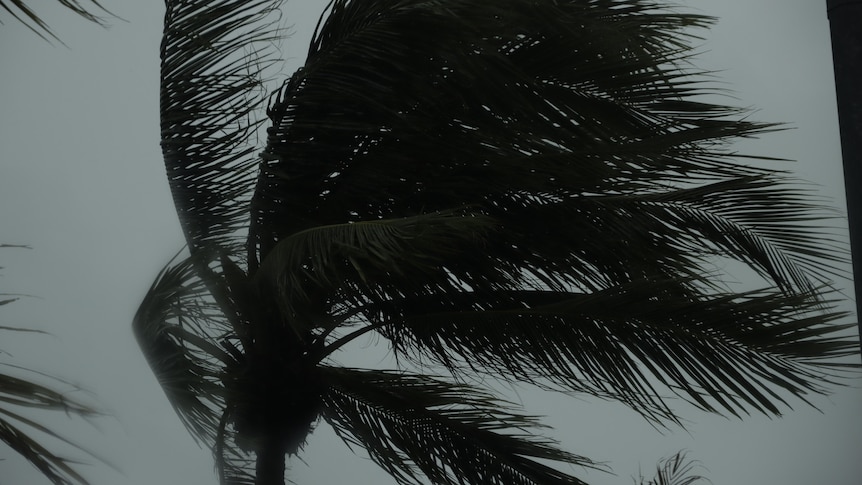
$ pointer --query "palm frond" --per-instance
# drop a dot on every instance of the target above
(214, 54)
(57, 469)
(412, 424)
(371, 260)
(21, 12)
(234, 466)
(724, 353)
(22, 392)
(17, 430)
(176, 325)
(676, 470)
(20, 432)
(194, 345)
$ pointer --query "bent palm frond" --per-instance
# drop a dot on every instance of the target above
(364, 261)
(676, 470)
(27, 16)
(17, 429)
(724, 353)
(176, 325)
(451, 434)
(214, 54)
(20, 393)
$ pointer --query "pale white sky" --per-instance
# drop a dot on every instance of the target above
(81, 181)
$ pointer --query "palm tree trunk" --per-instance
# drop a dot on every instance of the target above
(269, 469)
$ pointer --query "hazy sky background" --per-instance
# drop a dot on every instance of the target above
(82, 182)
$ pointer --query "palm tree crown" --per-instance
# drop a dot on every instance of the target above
(534, 191)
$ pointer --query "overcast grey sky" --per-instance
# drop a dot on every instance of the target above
(82, 182)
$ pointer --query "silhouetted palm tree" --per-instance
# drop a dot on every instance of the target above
(533, 191)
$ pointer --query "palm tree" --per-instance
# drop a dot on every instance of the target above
(20, 393)
(529, 191)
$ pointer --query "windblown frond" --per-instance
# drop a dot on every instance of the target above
(213, 55)
(724, 353)
(373, 260)
(27, 16)
(676, 470)
(452, 434)
(191, 340)
(177, 326)
(17, 430)
(20, 391)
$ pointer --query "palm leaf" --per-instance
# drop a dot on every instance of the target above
(450, 433)
(726, 353)
(175, 325)
(213, 55)
(24, 14)
(17, 430)
(57, 469)
(372, 260)
(197, 347)
(675, 470)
